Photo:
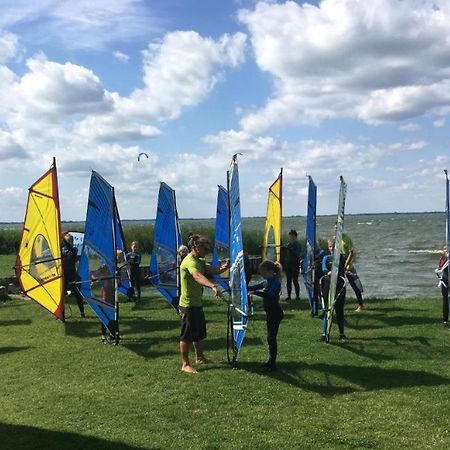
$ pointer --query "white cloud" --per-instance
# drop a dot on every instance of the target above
(8, 46)
(180, 71)
(82, 24)
(439, 123)
(120, 56)
(56, 91)
(9, 148)
(384, 60)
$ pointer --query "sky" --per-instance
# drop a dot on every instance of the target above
(326, 88)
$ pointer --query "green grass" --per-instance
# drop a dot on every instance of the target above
(386, 388)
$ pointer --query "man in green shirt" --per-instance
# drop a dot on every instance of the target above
(193, 277)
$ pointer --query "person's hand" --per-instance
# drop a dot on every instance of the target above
(217, 291)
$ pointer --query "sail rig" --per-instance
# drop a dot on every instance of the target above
(102, 260)
(332, 294)
(310, 248)
(221, 249)
(38, 264)
(167, 239)
(272, 228)
(239, 308)
(447, 221)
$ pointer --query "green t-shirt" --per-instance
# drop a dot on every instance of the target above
(191, 292)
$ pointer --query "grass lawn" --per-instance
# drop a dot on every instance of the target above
(387, 387)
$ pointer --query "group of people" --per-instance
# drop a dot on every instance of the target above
(194, 273)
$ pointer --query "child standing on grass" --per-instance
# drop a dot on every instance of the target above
(269, 290)
(134, 260)
(442, 273)
(339, 304)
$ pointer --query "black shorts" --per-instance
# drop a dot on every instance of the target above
(193, 324)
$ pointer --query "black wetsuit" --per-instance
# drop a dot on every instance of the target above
(292, 267)
(69, 256)
(270, 292)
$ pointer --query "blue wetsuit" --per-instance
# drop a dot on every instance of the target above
(269, 290)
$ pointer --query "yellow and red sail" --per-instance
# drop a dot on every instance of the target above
(272, 229)
(38, 265)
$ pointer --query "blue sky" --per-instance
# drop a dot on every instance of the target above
(338, 87)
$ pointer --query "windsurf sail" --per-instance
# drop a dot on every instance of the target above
(272, 228)
(38, 264)
(447, 221)
(332, 294)
(103, 248)
(239, 309)
(167, 239)
(310, 248)
(221, 249)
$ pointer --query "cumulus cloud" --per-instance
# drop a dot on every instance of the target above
(52, 90)
(180, 71)
(376, 61)
(410, 127)
(10, 148)
(8, 46)
(439, 123)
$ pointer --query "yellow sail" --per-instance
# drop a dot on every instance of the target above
(38, 265)
(272, 229)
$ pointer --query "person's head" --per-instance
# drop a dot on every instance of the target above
(331, 242)
(269, 269)
(182, 251)
(292, 235)
(68, 237)
(134, 246)
(200, 245)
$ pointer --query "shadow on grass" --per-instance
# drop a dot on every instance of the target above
(22, 437)
(4, 350)
(8, 323)
(360, 323)
(91, 327)
(351, 378)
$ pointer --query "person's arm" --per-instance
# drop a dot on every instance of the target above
(271, 290)
(213, 270)
(201, 279)
(256, 287)
(349, 260)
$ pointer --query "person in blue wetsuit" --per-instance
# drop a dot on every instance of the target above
(134, 260)
(327, 262)
(269, 290)
(292, 264)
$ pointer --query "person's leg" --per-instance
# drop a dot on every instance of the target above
(79, 298)
(295, 275)
(200, 357)
(273, 320)
(445, 305)
(288, 282)
(339, 308)
(184, 352)
(356, 290)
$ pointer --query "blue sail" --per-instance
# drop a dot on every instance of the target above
(222, 235)
(167, 239)
(98, 262)
(238, 285)
(310, 248)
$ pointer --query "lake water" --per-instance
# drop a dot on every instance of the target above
(396, 253)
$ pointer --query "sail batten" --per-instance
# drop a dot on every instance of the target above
(38, 264)
(332, 294)
(238, 286)
(103, 243)
(310, 247)
(167, 239)
(221, 249)
(273, 224)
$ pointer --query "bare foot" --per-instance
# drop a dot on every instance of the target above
(188, 369)
(201, 361)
